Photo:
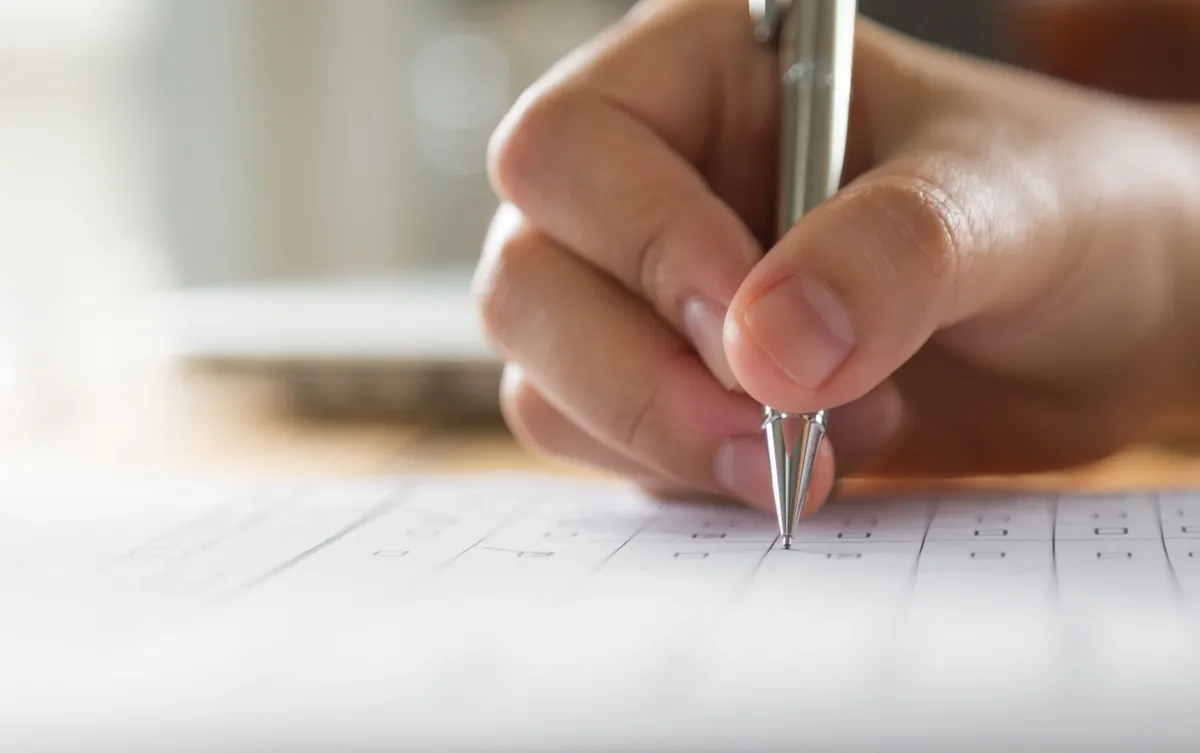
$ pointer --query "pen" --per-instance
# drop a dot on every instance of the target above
(815, 43)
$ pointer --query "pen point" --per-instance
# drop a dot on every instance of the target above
(787, 542)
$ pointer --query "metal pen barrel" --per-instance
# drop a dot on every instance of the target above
(815, 40)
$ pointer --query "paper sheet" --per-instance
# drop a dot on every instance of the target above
(503, 612)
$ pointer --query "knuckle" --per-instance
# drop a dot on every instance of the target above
(928, 222)
(518, 148)
(648, 267)
(511, 248)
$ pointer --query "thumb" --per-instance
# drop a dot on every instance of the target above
(850, 294)
(925, 243)
(945, 228)
(856, 288)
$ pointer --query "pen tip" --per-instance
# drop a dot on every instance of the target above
(787, 542)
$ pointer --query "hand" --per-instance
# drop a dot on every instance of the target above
(997, 288)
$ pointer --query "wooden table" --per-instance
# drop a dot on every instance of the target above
(195, 424)
(186, 423)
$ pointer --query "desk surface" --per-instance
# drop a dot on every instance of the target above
(205, 424)
(186, 423)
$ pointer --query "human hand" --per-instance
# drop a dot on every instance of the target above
(998, 287)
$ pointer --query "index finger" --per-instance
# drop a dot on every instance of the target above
(608, 153)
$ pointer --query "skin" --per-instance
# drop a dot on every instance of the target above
(1003, 285)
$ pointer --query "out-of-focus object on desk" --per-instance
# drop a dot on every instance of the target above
(1139, 48)
(408, 345)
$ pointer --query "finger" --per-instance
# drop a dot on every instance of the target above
(593, 156)
(612, 367)
(849, 295)
(545, 431)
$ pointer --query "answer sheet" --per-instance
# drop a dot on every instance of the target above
(536, 613)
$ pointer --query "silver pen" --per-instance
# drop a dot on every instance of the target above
(815, 43)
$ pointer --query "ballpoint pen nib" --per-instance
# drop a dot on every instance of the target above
(792, 445)
(805, 456)
(783, 479)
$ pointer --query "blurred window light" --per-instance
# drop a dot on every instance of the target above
(55, 28)
(461, 81)
(75, 249)
(461, 87)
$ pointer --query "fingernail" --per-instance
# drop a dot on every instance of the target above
(804, 328)
(704, 322)
(742, 469)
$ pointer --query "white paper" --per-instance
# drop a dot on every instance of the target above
(511, 612)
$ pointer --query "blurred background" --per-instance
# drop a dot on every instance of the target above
(287, 185)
